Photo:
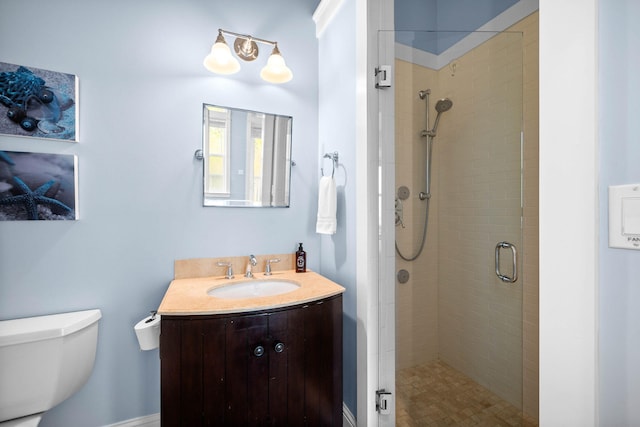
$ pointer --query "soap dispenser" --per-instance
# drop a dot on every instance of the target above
(301, 260)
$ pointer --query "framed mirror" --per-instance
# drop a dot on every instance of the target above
(247, 157)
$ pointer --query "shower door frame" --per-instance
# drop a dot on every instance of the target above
(387, 280)
(386, 267)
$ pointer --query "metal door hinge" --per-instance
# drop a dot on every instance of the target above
(383, 76)
(383, 401)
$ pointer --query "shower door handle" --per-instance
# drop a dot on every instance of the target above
(503, 277)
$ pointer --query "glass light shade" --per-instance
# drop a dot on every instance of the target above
(276, 70)
(220, 60)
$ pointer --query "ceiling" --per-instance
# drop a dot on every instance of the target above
(436, 25)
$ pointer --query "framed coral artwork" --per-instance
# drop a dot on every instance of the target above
(38, 186)
(38, 103)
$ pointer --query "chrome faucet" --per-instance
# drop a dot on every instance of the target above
(252, 263)
(267, 271)
(229, 274)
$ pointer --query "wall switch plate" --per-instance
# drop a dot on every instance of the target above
(624, 216)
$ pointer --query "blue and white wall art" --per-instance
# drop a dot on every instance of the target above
(38, 103)
(37, 186)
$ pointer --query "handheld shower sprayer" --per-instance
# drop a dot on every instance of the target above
(441, 106)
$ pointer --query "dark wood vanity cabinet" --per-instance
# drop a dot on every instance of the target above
(280, 367)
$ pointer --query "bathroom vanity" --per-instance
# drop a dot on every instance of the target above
(255, 360)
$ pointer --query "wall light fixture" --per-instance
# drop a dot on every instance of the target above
(221, 61)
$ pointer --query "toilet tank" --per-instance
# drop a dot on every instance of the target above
(44, 360)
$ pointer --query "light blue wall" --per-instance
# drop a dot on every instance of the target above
(337, 74)
(142, 85)
(619, 309)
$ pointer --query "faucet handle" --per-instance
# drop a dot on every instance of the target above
(267, 270)
(229, 274)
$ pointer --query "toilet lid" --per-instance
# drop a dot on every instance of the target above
(29, 329)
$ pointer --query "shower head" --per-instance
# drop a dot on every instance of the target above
(441, 106)
(444, 105)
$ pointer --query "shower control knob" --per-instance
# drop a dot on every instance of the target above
(402, 276)
(403, 192)
(258, 351)
(279, 347)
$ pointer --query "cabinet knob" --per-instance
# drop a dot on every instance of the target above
(258, 351)
(279, 347)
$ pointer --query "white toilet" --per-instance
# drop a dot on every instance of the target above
(43, 361)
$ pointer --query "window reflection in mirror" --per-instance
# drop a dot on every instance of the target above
(247, 156)
(217, 141)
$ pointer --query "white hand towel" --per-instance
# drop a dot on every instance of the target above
(327, 201)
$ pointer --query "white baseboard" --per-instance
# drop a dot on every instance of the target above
(153, 420)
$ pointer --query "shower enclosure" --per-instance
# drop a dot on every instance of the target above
(458, 336)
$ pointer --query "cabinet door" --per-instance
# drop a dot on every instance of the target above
(247, 370)
(170, 372)
(286, 368)
(184, 394)
(323, 362)
(213, 372)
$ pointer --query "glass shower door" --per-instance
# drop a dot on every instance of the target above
(458, 324)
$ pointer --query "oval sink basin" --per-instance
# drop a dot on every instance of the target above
(253, 289)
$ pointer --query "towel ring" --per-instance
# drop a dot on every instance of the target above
(334, 161)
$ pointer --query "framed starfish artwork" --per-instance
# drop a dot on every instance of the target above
(38, 103)
(38, 186)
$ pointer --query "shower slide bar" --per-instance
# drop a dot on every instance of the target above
(503, 277)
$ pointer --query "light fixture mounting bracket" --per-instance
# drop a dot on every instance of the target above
(246, 48)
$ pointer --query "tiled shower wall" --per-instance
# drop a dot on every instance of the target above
(478, 129)
(480, 317)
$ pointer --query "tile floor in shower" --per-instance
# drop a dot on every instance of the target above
(434, 394)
